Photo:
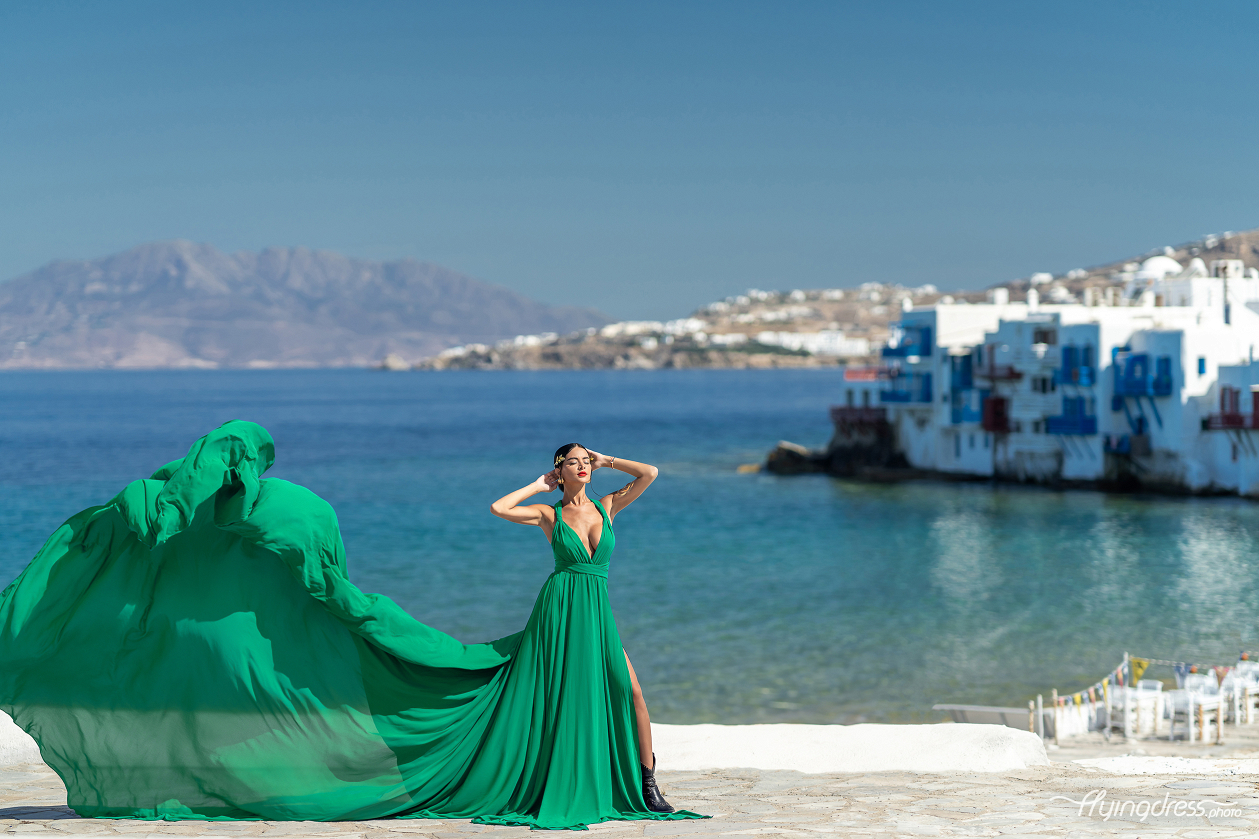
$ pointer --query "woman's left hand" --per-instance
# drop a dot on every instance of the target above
(599, 461)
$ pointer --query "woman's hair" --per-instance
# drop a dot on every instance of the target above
(561, 454)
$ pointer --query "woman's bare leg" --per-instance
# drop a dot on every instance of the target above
(645, 756)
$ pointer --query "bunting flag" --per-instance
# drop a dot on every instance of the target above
(1130, 674)
(1138, 666)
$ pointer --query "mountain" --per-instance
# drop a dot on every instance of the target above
(182, 304)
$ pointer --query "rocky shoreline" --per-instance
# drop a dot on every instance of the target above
(875, 465)
(593, 352)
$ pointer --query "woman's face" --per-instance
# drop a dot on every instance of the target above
(575, 467)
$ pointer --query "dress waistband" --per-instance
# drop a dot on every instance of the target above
(590, 568)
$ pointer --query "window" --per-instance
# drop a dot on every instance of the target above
(1044, 336)
(850, 398)
(972, 441)
(1042, 384)
(865, 399)
(1038, 426)
(1202, 366)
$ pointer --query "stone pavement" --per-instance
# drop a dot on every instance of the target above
(1026, 803)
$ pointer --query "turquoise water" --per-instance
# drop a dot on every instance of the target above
(740, 598)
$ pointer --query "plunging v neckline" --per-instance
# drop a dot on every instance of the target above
(603, 515)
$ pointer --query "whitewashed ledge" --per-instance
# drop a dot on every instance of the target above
(1162, 765)
(802, 748)
(819, 749)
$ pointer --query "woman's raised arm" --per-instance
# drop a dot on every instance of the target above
(508, 507)
(644, 474)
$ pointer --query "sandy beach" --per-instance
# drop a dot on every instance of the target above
(808, 780)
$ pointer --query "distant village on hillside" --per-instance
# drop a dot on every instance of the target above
(807, 328)
(756, 329)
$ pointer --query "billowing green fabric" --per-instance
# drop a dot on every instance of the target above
(194, 649)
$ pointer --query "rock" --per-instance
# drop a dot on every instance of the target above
(793, 459)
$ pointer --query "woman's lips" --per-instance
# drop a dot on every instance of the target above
(581, 474)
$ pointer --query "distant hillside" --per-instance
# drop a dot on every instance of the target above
(181, 304)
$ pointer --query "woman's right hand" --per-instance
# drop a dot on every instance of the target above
(548, 482)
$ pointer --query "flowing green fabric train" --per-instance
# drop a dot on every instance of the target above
(194, 649)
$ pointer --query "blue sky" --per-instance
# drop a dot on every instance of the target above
(643, 158)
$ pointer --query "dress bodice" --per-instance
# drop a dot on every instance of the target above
(570, 551)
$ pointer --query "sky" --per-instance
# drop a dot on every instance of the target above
(641, 158)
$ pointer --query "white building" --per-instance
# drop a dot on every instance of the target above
(1157, 394)
(824, 342)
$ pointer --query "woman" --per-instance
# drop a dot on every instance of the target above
(580, 532)
(193, 649)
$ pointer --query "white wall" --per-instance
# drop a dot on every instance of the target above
(1183, 452)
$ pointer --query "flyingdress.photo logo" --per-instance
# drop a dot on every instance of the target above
(1096, 805)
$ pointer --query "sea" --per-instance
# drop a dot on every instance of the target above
(740, 597)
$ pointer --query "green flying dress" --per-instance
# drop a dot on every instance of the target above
(194, 649)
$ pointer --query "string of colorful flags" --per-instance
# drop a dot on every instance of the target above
(1137, 666)
(1099, 691)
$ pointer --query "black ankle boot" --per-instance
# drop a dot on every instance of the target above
(651, 792)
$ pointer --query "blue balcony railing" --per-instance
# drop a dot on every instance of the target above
(967, 406)
(1075, 418)
(961, 372)
(1071, 425)
(1136, 376)
(1077, 366)
(913, 387)
(913, 340)
(1081, 376)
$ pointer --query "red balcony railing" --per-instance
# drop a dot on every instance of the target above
(1230, 415)
(996, 415)
(998, 372)
(864, 374)
(1223, 422)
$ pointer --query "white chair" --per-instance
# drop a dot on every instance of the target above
(1136, 710)
(1149, 702)
(1178, 707)
(1245, 685)
(1231, 693)
(1205, 701)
